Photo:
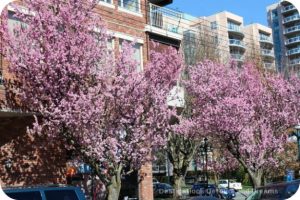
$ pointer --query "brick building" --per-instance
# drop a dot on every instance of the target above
(26, 159)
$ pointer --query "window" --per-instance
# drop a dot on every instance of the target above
(138, 55)
(25, 195)
(213, 25)
(1, 76)
(107, 1)
(131, 5)
(61, 195)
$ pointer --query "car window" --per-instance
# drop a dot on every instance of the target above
(34, 195)
(61, 195)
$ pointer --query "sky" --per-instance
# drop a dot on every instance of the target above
(253, 11)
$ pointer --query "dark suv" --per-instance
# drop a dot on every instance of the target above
(45, 193)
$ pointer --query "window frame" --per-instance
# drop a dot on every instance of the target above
(122, 8)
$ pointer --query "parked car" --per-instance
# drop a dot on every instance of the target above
(278, 191)
(162, 190)
(232, 184)
(45, 193)
(203, 189)
(227, 193)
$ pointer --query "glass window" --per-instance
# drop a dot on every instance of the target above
(25, 195)
(138, 55)
(107, 1)
(61, 195)
(1, 77)
(213, 25)
(132, 5)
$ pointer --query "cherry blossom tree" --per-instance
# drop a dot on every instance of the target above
(246, 110)
(106, 111)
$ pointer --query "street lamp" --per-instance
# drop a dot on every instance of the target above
(297, 134)
(205, 147)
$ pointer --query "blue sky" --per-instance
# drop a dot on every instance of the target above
(252, 10)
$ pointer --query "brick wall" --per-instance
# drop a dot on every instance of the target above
(35, 160)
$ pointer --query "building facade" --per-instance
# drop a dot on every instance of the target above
(284, 19)
(223, 37)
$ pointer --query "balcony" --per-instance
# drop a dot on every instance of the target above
(295, 62)
(164, 21)
(288, 8)
(235, 29)
(161, 2)
(236, 43)
(292, 29)
(293, 51)
(237, 57)
(268, 65)
(267, 52)
(293, 40)
(266, 39)
(291, 18)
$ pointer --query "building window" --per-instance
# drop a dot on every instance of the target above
(213, 25)
(107, 1)
(138, 53)
(131, 5)
(1, 77)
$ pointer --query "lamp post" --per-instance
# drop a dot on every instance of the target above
(297, 134)
(205, 147)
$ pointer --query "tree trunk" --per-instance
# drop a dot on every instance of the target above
(115, 186)
(178, 183)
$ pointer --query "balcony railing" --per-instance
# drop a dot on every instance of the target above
(235, 42)
(295, 61)
(265, 39)
(268, 65)
(293, 51)
(239, 57)
(234, 27)
(293, 40)
(292, 29)
(165, 19)
(267, 52)
(291, 18)
(288, 8)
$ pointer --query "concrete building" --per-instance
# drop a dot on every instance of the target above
(284, 20)
(224, 37)
(260, 45)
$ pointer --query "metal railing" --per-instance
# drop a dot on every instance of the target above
(292, 29)
(234, 27)
(293, 51)
(295, 61)
(288, 8)
(164, 18)
(267, 52)
(268, 65)
(291, 18)
(264, 38)
(236, 42)
(235, 56)
(293, 40)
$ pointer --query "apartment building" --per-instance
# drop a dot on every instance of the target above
(284, 19)
(223, 37)
(260, 45)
